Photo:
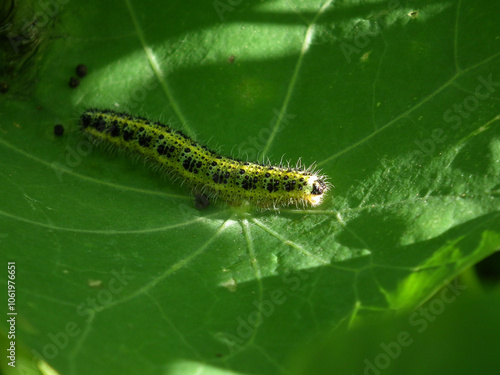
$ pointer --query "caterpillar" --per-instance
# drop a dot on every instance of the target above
(206, 172)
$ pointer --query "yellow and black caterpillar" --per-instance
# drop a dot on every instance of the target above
(206, 172)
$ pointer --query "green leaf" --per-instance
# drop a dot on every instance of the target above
(117, 272)
(432, 340)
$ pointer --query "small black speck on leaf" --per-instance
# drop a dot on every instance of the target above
(58, 129)
(74, 82)
(81, 70)
(4, 87)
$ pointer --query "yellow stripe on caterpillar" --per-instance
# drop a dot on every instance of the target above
(233, 181)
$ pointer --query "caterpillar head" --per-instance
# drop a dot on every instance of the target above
(318, 187)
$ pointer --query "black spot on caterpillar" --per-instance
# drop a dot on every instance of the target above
(206, 172)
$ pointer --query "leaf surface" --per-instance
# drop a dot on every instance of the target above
(397, 102)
